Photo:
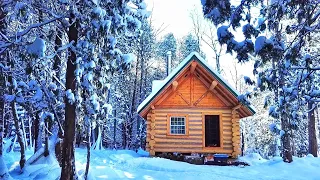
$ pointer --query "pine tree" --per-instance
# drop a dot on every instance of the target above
(168, 43)
(189, 44)
(278, 55)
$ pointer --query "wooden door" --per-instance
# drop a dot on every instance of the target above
(212, 131)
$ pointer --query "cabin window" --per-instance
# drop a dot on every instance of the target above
(177, 125)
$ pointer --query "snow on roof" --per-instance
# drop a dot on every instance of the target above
(156, 83)
(160, 85)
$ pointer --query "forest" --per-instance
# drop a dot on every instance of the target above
(73, 73)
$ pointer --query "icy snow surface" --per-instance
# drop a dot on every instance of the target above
(125, 164)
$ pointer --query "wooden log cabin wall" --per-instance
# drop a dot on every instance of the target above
(194, 111)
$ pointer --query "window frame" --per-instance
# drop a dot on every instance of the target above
(186, 125)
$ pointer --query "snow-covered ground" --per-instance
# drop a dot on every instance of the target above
(125, 164)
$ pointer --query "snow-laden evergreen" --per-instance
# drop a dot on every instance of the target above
(281, 32)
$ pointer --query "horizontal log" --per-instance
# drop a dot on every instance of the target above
(191, 123)
(167, 145)
(180, 150)
(191, 132)
(227, 142)
(163, 136)
(224, 151)
(195, 118)
(195, 127)
(161, 122)
(193, 150)
(187, 140)
(161, 118)
(230, 149)
(227, 125)
(227, 133)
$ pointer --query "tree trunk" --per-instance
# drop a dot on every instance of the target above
(57, 60)
(46, 141)
(285, 123)
(36, 131)
(68, 171)
(88, 151)
(133, 129)
(16, 121)
(39, 135)
(24, 135)
(286, 146)
(313, 144)
(30, 131)
(19, 134)
(2, 106)
(4, 172)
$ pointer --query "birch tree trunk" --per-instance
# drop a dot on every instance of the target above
(313, 144)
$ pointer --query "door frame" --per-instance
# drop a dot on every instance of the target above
(204, 133)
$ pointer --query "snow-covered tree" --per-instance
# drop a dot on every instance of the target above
(129, 90)
(78, 40)
(205, 32)
(168, 43)
(189, 44)
(279, 48)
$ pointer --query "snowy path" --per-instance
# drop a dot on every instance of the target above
(124, 164)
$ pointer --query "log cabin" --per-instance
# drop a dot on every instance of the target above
(193, 110)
